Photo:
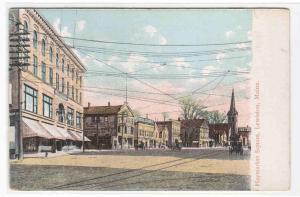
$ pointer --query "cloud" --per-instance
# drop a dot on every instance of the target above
(132, 62)
(180, 63)
(220, 56)
(80, 25)
(149, 29)
(111, 60)
(84, 59)
(62, 30)
(154, 34)
(162, 40)
(208, 69)
(229, 34)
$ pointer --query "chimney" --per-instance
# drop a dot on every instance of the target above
(108, 103)
(89, 104)
(147, 116)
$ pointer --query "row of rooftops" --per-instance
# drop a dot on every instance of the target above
(115, 109)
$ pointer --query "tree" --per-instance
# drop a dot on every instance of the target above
(216, 117)
(191, 109)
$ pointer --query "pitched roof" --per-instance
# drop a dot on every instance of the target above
(192, 123)
(102, 110)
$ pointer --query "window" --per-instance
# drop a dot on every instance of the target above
(125, 129)
(76, 95)
(68, 89)
(80, 81)
(62, 85)
(43, 47)
(43, 71)
(25, 26)
(73, 92)
(73, 73)
(57, 61)
(61, 113)
(51, 76)
(105, 118)
(35, 66)
(35, 39)
(76, 78)
(30, 103)
(78, 120)
(80, 97)
(68, 69)
(47, 106)
(51, 54)
(70, 116)
(57, 81)
(63, 65)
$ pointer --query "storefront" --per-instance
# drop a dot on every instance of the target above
(40, 136)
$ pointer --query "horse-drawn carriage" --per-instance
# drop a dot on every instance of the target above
(176, 146)
(236, 147)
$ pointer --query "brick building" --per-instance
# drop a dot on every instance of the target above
(50, 87)
(195, 133)
(173, 128)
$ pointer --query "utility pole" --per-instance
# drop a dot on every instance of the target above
(126, 89)
(83, 128)
(97, 121)
(122, 126)
(18, 59)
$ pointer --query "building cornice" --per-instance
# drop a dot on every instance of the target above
(45, 25)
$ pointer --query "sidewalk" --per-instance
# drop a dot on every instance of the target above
(57, 154)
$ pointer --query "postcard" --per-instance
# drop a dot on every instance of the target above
(148, 99)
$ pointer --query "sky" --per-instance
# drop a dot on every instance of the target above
(166, 53)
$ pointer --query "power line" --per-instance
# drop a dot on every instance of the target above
(156, 45)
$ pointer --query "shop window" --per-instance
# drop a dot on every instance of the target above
(30, 102)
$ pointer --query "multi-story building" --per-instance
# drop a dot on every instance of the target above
(195, 133)
(109, 127)
(163, 134)
(146, 131)
(50, 85)
(173, 127)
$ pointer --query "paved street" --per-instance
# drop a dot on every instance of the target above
(196, 169)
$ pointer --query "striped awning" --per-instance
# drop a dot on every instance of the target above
(54, 131)
(78, 136)
(32, 128)
(66, 134)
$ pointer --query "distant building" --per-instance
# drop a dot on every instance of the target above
(219, 133)
(163, 133)
(225, 133)
(245, 135)
(50, 89)
(109, 127)
(146, 131)
(195, 133)
(173, 127)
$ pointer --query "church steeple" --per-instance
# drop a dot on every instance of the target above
(232, 110)
(232, 115)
